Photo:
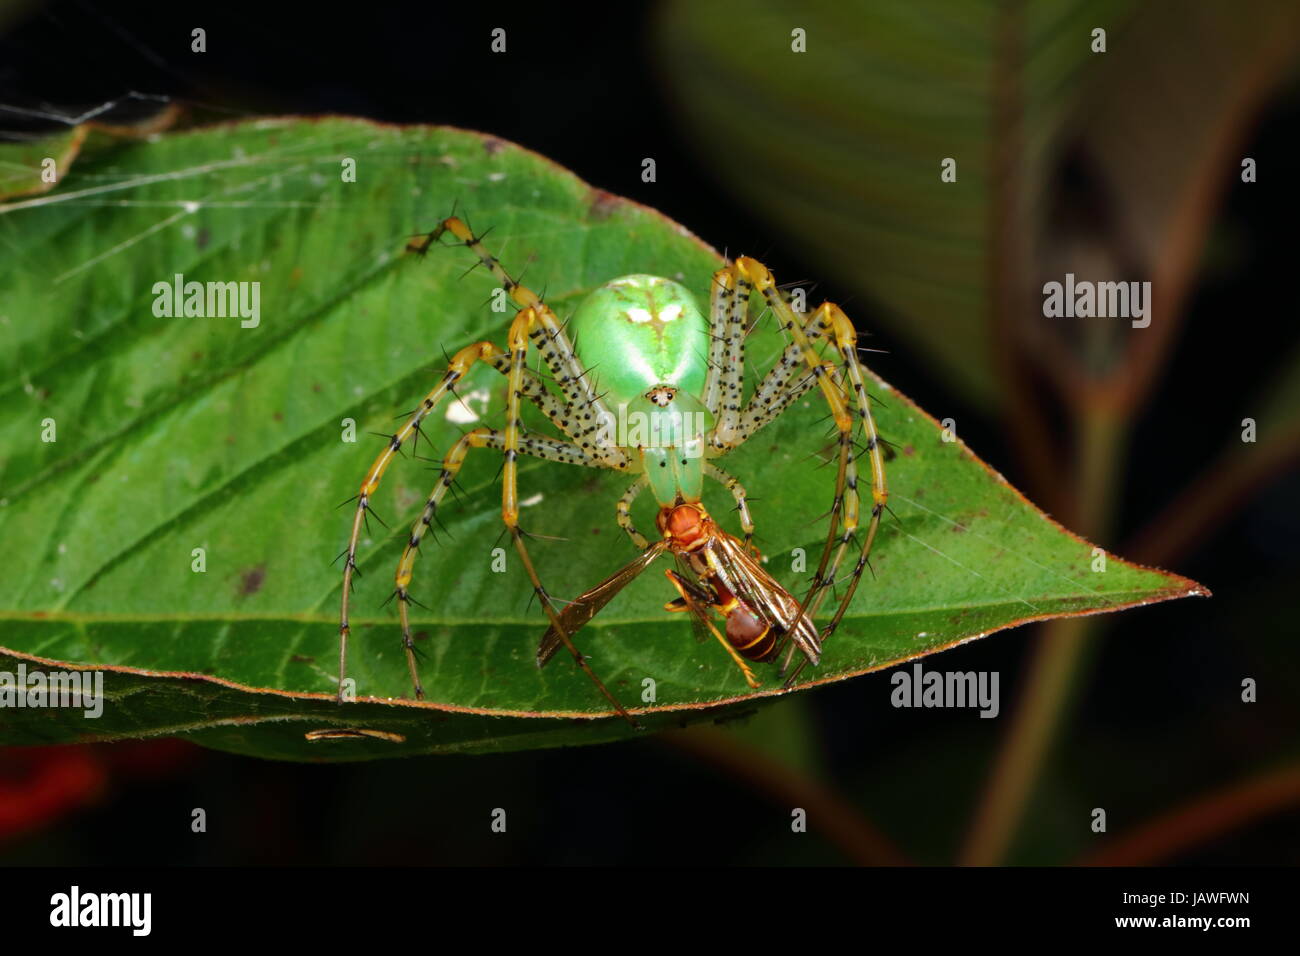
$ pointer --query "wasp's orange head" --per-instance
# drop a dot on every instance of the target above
(687, 525)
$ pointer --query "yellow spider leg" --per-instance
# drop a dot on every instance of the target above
(460, 364)
(535, 445)
(720, 301)
(593, 420)
(524, 324)
(830, 320)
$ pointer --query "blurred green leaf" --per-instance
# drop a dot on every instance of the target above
(842, 148)
(843, 144)
(183, 433)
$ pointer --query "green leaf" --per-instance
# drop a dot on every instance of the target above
(174, 434)
(843, 144)
(855, 130)
(25, 167)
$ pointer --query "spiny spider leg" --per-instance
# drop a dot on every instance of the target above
(534, 390)
(778, 389)
(624, 512)
(829, 316)
(730, 324)
(537, 446)
(526, 321)
(846, 342)
(564, 417)
(550, 339)
(720, 299)
(738, 493)
(831, 321)
(456, 369)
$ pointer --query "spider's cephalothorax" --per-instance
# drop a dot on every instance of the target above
(670, 402)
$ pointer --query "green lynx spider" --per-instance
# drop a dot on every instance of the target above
(659, 356)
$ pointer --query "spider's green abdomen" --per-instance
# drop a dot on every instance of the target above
(640, 331)
(648, 343)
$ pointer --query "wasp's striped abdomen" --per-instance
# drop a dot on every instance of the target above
(751, 636)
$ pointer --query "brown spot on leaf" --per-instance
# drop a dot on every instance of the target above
(603, 204)
(493, 146)
(202, 238)
(250, 581)
(302, 659)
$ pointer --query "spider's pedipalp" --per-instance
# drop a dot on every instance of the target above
(623, 511)
(739, 495)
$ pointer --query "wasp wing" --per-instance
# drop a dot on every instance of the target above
(582, 609)
(688, 574)
(752, 584)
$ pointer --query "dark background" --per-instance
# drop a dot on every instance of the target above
(584, 90)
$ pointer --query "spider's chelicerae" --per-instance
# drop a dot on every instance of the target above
(670, 405)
